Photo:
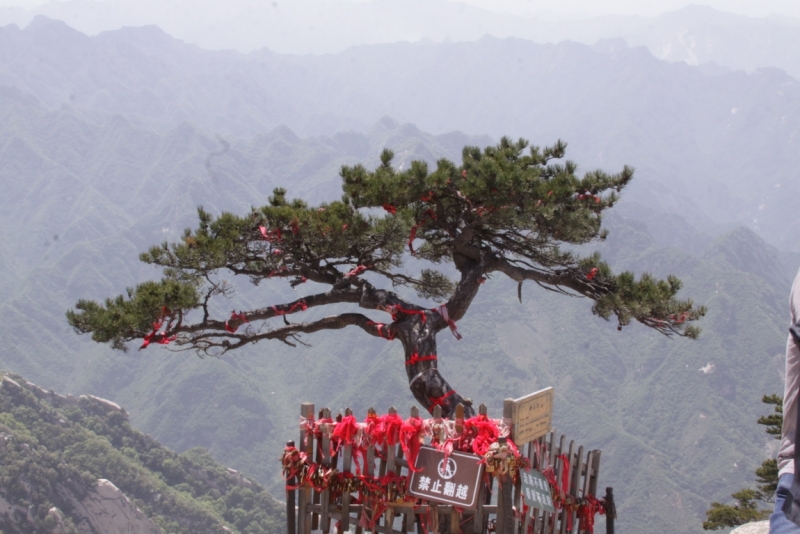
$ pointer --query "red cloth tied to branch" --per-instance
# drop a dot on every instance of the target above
(300, 304)
(591, 274)
(271, 235)
(381, 328)
(439, 401)
(396, 309)
(239, 318)
(391, 209)
(413, 235)
(410, 442)
(679, 319)
(416, 358)
(159, 337)
(442, 310)
(357, 271)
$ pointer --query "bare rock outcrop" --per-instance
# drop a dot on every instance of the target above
(106, 510)
(756, 527)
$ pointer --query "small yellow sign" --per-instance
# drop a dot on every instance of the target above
(532, 416)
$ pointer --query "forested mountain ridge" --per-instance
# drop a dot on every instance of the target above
(53, 450)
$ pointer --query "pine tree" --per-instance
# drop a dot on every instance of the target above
(509, 209)
(746, 509)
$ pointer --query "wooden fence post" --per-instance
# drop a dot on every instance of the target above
(611, 511)
(304, 493)
(505, 513)
(290, 506)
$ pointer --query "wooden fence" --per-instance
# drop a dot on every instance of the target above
(500, 499)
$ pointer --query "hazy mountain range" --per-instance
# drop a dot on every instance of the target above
(108, 144)
(695, 34)
(615, 105)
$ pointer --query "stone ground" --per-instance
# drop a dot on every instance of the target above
(758, 527)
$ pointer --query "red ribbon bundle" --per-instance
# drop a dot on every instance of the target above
(587, 510)
(357, 271)
(159, 337)
(271, 235)
(591, 274)
(239, 318)
(391, 423)
(485, 433)
(410, 442)
(391, 209)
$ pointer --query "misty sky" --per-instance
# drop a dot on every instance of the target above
(566, 7)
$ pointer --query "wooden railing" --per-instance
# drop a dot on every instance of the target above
(500, 500)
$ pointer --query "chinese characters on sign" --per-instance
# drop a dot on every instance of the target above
(452, 481)
(532, 416)
(536, 490)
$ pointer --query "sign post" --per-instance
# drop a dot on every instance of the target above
(532, 416)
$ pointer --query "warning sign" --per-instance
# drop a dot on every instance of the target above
(452, 481)
(536, 490)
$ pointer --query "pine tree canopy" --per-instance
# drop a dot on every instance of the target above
(508, 209)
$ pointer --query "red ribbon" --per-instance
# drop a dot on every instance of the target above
(409, 440)
(391, 209)
(391, 423)
(357, 271)
(271, 235)
(238, 317)
(413, 235)
(416, 358)
(442, 310)
(588, 510)
(485, 430)
(397, 309)
(299, 304)
(439, 401)
(381, 328)
(591, 274)
(564, 473)
(159, 337)
(679, 319)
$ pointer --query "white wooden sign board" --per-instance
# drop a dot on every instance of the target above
(532, 416)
